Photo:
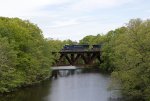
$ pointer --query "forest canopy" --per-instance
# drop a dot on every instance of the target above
(25, 56)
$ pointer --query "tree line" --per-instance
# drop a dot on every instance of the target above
(126, 54)
(25, 55)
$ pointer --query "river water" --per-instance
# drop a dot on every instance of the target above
(76, 87)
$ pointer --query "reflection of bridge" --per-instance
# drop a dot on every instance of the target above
(63, 71)
(74, 57)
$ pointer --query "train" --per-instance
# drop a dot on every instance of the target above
(75, 47)
(80, 47)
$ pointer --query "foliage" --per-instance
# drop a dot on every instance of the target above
(25, 54)
(126, 53)
(132, 60)
(8, 57)
(108, 48)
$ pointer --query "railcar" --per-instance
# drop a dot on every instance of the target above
(96, 47)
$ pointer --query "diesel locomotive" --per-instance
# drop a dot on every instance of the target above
(80, 47)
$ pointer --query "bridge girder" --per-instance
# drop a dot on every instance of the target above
(73, 57)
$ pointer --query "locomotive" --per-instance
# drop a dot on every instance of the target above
(75, 47)
(80, 47)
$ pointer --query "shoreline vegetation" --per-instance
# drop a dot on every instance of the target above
(25, 55)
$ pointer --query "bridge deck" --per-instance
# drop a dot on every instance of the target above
(78, 51)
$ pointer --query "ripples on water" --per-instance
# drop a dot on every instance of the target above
(77, 87)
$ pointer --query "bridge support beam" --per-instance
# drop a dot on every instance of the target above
(88, 57)
(72, 59)
(69, 60)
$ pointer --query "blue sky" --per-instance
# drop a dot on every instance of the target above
(74, 19)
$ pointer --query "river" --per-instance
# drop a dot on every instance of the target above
(77, 87)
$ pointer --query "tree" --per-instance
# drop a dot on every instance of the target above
(8, 60)
(33, 53)
(132, 60)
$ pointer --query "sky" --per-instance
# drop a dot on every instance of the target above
(75, 19)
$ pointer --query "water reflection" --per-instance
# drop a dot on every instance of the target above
(63, 73)
(81, 87)
(77, 87)
(34, 93)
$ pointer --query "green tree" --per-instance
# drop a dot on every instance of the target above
(108, 48)
(132, 60)
(8, 60)
(33, 53)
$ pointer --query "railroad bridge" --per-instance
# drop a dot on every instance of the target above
(78, 53)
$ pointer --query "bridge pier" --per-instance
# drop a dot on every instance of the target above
(54, 74)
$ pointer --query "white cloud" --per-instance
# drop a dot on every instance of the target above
(77, 32)
(88, 5)
(147, 11)
(66, 16)
(31, 7)
(24, 7)
(65, 23)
